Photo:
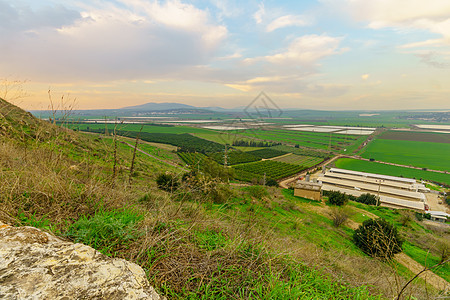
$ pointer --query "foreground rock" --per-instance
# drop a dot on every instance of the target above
(37, 265)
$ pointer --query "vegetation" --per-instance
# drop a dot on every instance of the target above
(303, 151)
(205, 240)
(234, 157)
(337, 198)
(185, 142)
(106, 231)
(252, 143)
(411, 153)
(167, 182)
(378, 238)
(272, 169)
(266, 153)
(306, 161)
(368, 199)
(315, 140)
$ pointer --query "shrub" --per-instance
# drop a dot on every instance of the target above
(167, 182)
(337, 198)
(257, 191)
(339, 215)
(378, 238)
(368, 199)
(106, 230)
(271, 182)
(419, 216)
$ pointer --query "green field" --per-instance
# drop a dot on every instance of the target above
(305, 161)
(411, 153)
(373, 167)
(302, 151)
(273, 169)
(150, 128)
(318, 140)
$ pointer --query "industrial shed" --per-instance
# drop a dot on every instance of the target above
(394, 192)
(309, 190)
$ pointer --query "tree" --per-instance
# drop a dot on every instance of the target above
(378, 238)
(368, 199)
(167, 182)
(337, 198)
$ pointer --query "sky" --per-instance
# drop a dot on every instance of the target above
(323, 54)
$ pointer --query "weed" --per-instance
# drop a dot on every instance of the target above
(106, 231)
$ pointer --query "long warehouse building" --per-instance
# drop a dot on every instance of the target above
(395, 192)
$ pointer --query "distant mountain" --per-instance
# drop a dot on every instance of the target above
(152, 106)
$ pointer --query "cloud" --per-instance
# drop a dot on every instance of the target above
(18, 17)
(431, 15)
(365, 76)
(110, 41)
(286, 21)
(259, 14)
(431, 59)
(304, 51)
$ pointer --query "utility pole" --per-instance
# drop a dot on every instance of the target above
(379, 187)
(225, 159)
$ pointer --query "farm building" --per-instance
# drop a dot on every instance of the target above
(309, 190)
(394, 192)
(439, 216)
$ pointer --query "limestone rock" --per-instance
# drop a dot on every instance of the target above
(37, 265)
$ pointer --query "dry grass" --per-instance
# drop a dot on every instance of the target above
(59, 175)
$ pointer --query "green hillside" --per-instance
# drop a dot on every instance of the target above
(201, 238)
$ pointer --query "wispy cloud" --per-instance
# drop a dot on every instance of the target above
(287, 21)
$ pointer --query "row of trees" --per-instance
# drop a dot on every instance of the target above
(243, 143)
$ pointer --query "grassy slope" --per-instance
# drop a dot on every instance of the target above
(252, 244)
(373, 167)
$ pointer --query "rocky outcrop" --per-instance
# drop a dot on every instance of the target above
(37, 265)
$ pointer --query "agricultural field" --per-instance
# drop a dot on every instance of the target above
(373, 167)
(325, 141)
(299, 160)
(429, 155)
(302, 151)
(272, 169)
(234, 157)
(150, 128)
(415, 136)
(184, 141)
(192, 159)
(266, 153)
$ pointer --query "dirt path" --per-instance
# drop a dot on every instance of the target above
(431, 278)
(285, 182)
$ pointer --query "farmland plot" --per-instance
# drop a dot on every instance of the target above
(273, 169)
(412, 153)
(299, 160)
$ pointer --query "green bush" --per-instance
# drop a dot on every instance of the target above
(368, 199)
(337, 198)
(106, 230)
(378, 238)
(271, 182)
(257, 191)
(167, 182)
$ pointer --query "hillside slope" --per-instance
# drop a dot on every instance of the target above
(205, 239)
